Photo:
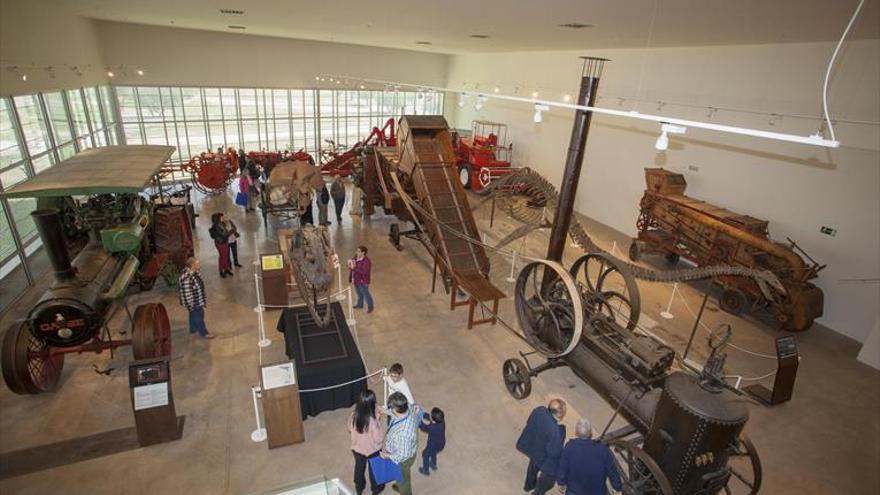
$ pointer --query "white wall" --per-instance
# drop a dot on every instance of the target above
(870, 353)
(798, 188)
(32, 33)
(203, 58)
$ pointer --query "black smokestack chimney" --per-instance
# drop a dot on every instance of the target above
(48, 224)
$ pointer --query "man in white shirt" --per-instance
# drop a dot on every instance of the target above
(397, 383)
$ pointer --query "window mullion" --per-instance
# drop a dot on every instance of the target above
(45, 112)
(19, 130)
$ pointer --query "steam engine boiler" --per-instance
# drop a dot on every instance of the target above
(685, 431)
(72, 315)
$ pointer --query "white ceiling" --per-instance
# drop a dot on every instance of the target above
(513, 25)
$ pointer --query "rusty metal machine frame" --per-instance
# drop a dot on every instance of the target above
(675, 225)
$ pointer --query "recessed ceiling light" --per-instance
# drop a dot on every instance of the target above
(236, 27)
(575, 25)
(480, 36)
(232, 11)
(423, 42)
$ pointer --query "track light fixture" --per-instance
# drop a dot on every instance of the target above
(140, 72)
(462, 99)
(665, 129)
(478, 105)
(813, 140)
(539, 109)
(110, 73)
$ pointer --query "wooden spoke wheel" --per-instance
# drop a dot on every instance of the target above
(635, 251)
(607, 286)
(28, 365)
(517, 379)
(549, 308)
(733, 301)
(745, 468)
(639, 474)
(151, 335)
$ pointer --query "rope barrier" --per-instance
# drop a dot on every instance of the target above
(331, 387)
(731, 344)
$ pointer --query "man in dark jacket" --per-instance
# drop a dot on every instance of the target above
(541, 441)
(586, 464)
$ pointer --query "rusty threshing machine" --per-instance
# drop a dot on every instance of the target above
(675, 225)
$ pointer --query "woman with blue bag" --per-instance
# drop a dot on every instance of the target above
(244, 184)
(367, 438)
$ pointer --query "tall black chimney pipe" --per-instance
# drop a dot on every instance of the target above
(48, 224)
(591, 73)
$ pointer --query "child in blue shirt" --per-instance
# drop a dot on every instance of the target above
(435, 427)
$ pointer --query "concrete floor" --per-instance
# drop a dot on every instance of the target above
(826, 440)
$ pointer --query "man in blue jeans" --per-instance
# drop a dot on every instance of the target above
(191, 291)
(361, 267)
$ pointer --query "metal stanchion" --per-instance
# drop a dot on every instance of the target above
(668, 313)
(338, 266)
(512, 277)
(259, 434)
(263, 340)
(259, 309)
(350, 320)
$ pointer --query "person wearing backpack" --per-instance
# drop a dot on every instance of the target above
(323, 203)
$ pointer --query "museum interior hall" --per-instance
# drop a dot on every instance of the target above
(574, 247)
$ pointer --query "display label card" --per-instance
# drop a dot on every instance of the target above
(149, 396)
(278, 375)
(272, 262)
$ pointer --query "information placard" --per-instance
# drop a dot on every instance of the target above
(272, 262)
(278, 375)
(149, 396)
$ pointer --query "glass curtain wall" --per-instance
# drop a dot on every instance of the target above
(36, 132)
(200, 119)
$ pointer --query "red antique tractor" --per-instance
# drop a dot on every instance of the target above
(483, 156)
(337, 161)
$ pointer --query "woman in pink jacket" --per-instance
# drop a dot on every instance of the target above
(367, 440)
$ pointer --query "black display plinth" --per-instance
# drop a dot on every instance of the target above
(324, 357)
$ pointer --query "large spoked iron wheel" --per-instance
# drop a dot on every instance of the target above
(608, 288)
(549, 309)
(151, 335)
(28, 365)
(745, 468)
(517, 379)
(639, 474)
